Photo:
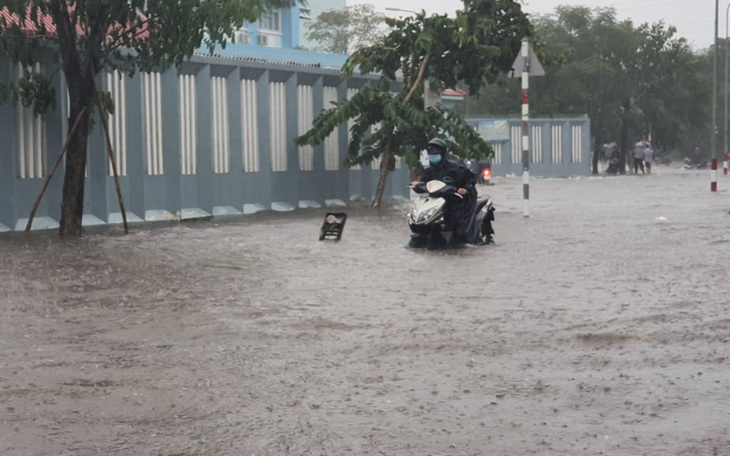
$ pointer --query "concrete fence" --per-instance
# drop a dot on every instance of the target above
(213, 139)
(216, 139)
(558, 147)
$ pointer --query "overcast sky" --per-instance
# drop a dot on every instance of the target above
(694, 19)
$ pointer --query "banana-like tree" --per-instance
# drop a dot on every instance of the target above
(389, 118)
(92, 36)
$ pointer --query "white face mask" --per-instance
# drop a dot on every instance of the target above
(434, 159)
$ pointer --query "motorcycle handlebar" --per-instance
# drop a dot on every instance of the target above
(421, 188)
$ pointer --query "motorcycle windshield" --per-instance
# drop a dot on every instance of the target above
(435, 186)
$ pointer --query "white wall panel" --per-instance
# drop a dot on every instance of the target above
(152, 106)
(249, 126)
(31, 138)
(117, 84)
(331, 143)
(536, 143)
(220, 130)
(515, 136)
(557, 143)
(188, 125)
(498, 147)
(577, 143)
(305, 101)
(278, 126)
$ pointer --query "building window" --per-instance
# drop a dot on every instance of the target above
(271, 21)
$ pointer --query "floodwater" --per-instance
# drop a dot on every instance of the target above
(598, 325)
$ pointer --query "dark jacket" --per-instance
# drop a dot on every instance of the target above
(461, 177)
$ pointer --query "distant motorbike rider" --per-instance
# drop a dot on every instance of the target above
(455, 174)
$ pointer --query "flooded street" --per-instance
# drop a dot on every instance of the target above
(598, 325)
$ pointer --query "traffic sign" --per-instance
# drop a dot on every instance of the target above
(534, 67)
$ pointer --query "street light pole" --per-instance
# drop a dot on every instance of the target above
(725, 126)
(713, 146)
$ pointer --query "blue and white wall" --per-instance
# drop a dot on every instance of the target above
(558, 147)
(214, 139)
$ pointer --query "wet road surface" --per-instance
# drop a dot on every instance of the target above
(598, 325)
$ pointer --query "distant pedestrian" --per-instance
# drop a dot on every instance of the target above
(648, 157)
(611, 152)
(639, 157)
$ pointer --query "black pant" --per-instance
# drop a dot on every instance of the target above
(638, 163)
(460, 214)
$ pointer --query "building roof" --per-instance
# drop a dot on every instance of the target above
(277, 56)
(453, 94)
(241, 52)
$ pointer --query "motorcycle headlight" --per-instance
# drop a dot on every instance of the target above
(429, 213)
(411, 216)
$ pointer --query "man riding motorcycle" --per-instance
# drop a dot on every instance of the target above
(454, 174)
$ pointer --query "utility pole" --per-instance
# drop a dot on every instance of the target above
(713, 139)
(725, 125)
(526, 64)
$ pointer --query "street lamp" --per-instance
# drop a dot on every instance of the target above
(713, 140)
(401, 10)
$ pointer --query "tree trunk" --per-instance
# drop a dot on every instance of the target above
(72, 202)
(624, 140)
(596, 154)
(384, 163)
(79, 69)
(597, 135)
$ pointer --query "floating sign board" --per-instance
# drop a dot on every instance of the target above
(334, 223)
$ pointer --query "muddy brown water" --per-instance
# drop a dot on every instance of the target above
(598, 325)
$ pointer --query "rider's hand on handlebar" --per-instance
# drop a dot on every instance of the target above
(461, 191)
(415, 184)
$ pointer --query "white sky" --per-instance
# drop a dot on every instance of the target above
(694, 19)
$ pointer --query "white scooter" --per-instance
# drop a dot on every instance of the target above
(431, 225)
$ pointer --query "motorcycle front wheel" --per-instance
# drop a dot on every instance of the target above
(435, 241)
(485, 232)
(417, 242)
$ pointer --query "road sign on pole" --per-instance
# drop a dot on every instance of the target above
(526, 64)
(532, 64)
